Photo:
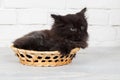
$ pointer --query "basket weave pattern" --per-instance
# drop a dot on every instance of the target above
(44, 58)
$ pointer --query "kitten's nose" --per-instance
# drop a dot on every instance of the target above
(73, 29)
(71, 25)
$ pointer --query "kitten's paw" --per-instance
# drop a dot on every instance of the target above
(62, 51)
(65, 52)
(83, 45)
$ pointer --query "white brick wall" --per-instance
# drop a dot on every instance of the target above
(18, 17)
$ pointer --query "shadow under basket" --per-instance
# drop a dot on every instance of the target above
(44, 58)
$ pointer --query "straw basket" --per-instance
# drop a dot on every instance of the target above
(44, 58)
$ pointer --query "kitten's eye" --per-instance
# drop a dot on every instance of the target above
(73, 29)
(60, 25)
(82, 27)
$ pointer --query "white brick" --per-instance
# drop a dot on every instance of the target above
(7, 16)
(34, 4)
(109, 44)
(104, 43)
(9, 33)
(98, 17)
(93, 3)
(103, 3)
(115, 17)
(97, 3)
(118, 33)
(75, 3)
(113, 3)
(93, 43)
(12, 32)
(87, 3)
(0, 3)
(31, 16)
(5, 43)
(100, 33)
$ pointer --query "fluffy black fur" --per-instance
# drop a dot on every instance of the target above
(67, 32)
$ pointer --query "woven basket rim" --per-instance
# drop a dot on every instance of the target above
(33, 51)
(39, 52)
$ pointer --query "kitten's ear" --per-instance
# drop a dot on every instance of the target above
(82, 12)
(56, 17)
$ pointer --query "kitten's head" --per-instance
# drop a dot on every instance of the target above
(71, 26)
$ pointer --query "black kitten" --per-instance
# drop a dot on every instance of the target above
(67, 32)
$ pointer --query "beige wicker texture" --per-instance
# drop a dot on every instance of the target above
(43, 58)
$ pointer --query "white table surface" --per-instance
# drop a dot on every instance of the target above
(101, 63)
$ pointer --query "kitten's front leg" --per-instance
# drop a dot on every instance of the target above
(62, 47)
(81, 44)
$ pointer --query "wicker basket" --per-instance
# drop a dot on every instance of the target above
(44, 58)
